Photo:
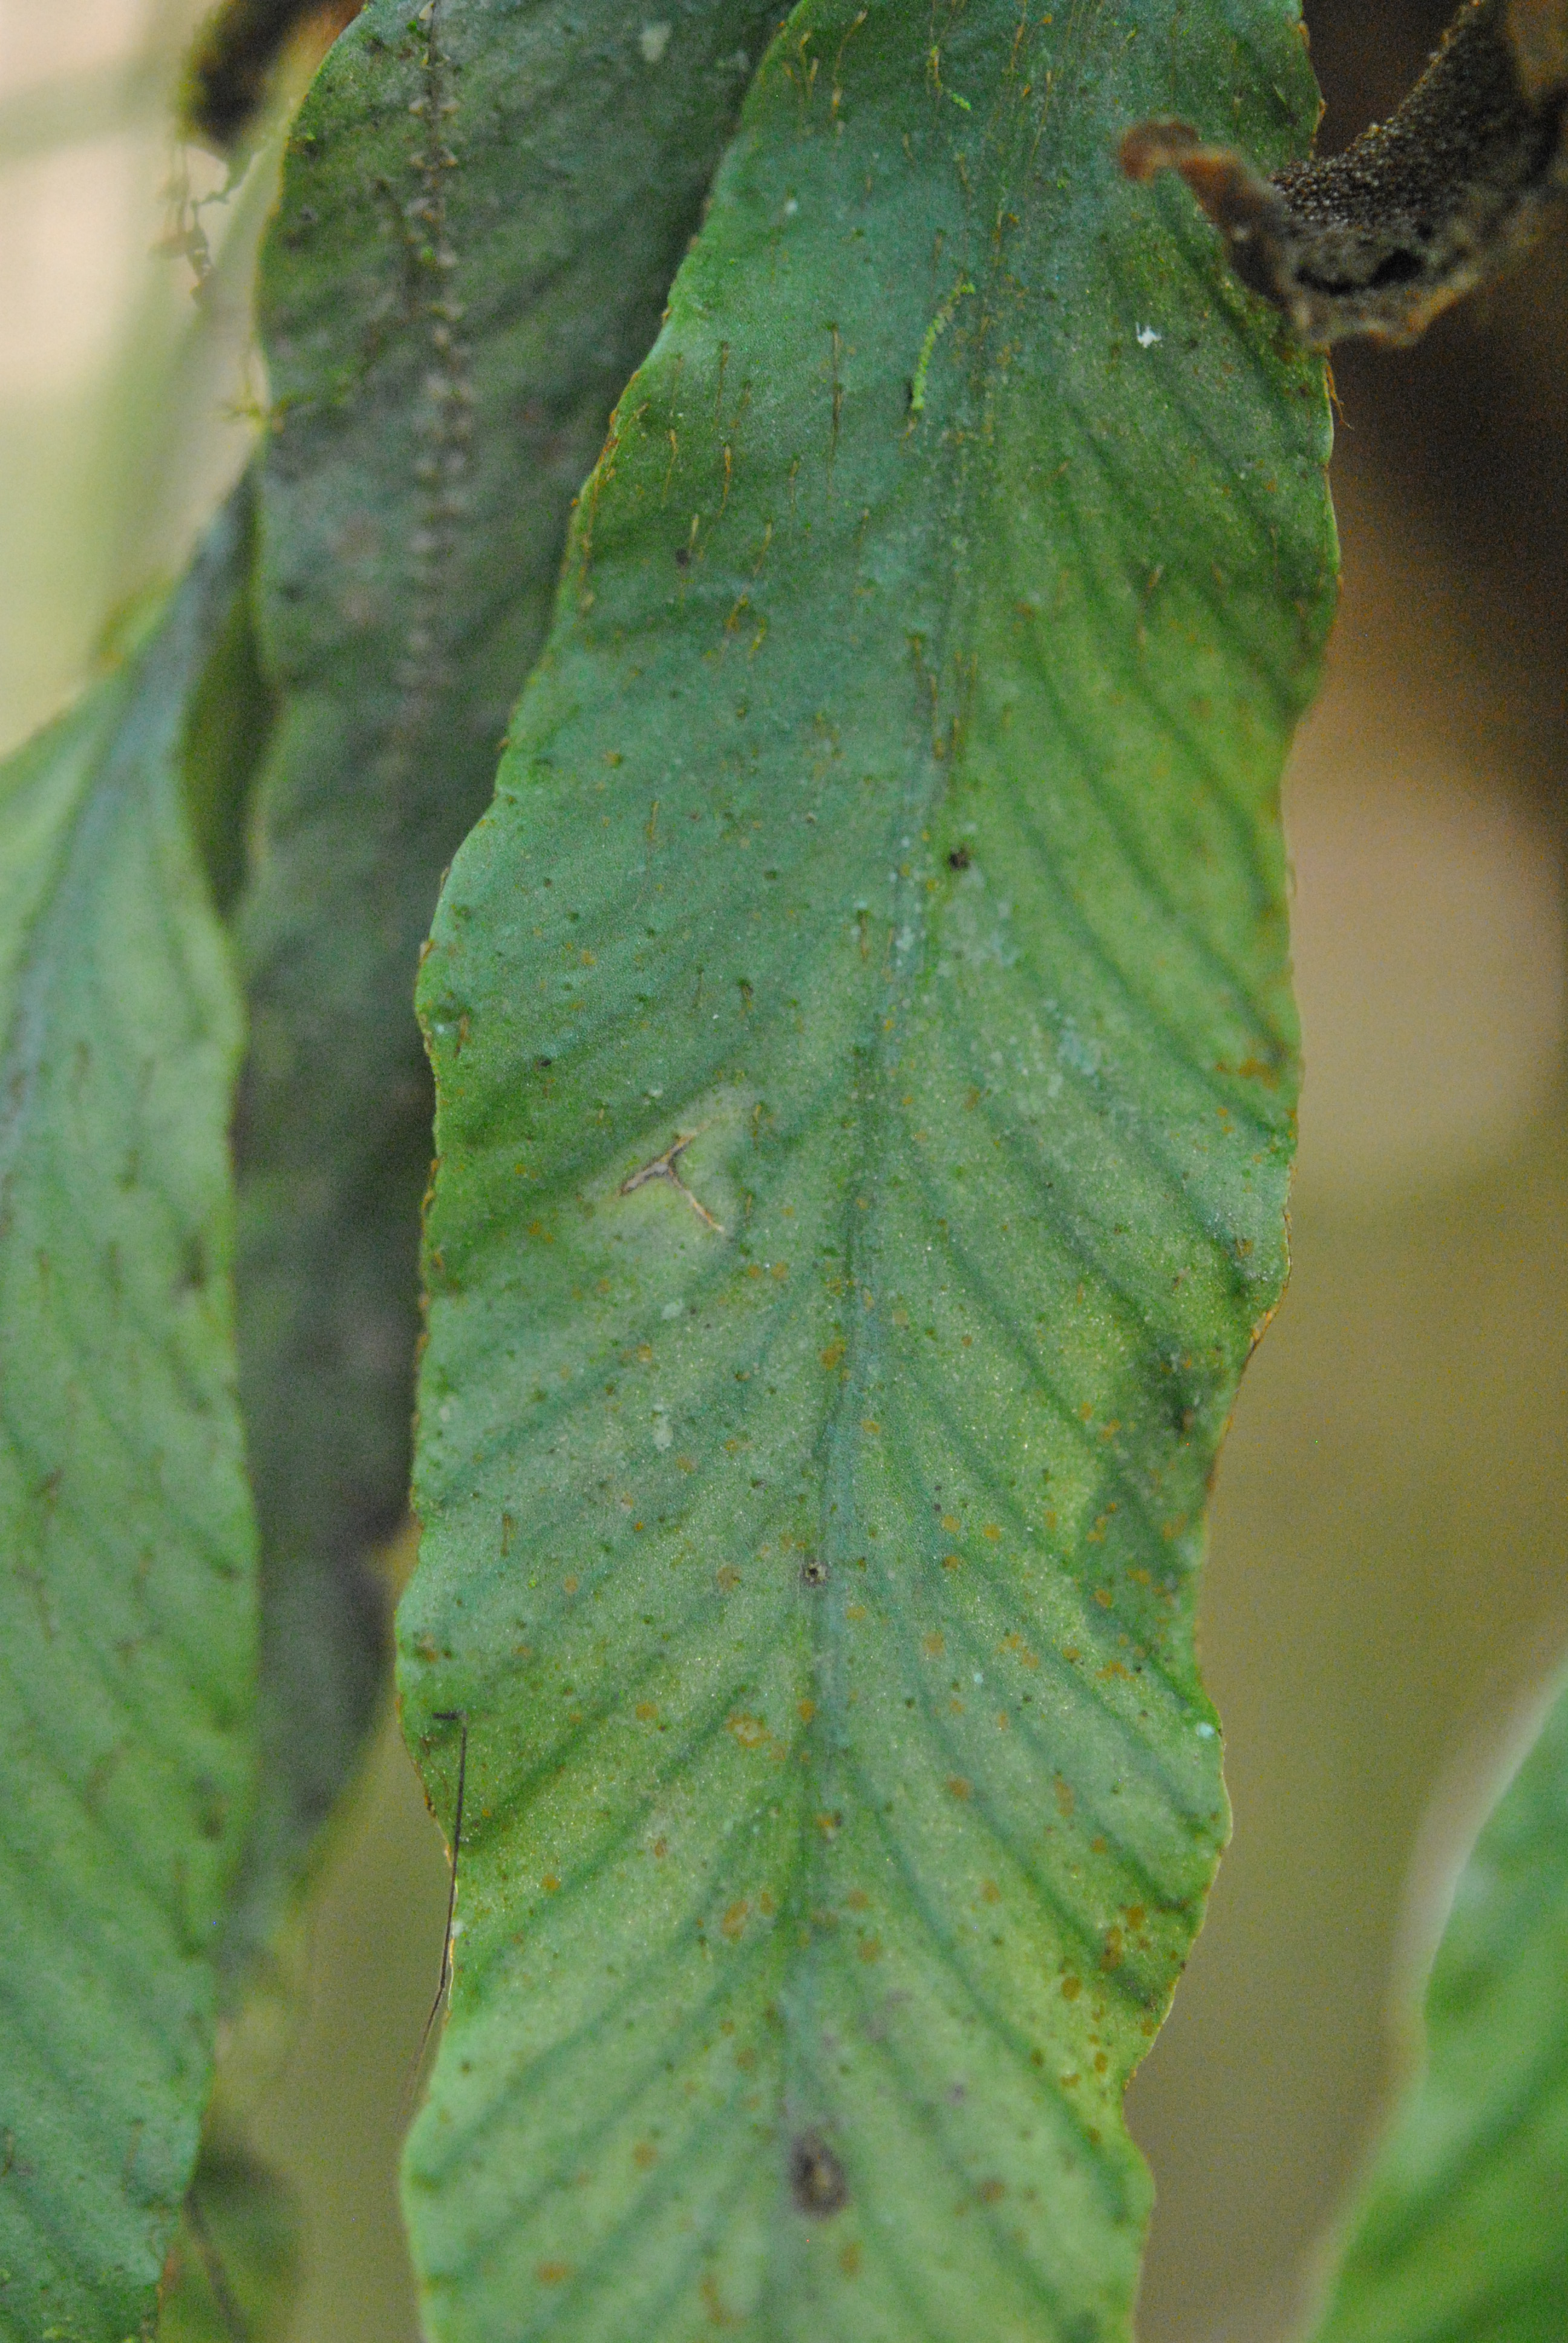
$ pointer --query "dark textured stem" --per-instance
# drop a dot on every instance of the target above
(1423, 208)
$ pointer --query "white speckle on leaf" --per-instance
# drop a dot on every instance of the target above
(1084, 1057)
(653, 40)
(1147, 337)
(672, 1309)
(791, 207)
(1205, 1732)
(663, 1430)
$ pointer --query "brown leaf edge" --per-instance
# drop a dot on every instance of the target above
(1423, 208)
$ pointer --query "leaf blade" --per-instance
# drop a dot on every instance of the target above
(1458, 2229)
(864, 1059)
(127, 1605)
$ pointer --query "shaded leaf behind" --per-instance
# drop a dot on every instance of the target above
(481, 213)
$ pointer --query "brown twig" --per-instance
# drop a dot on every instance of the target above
(1423, 208)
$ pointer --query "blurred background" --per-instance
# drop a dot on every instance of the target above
(1387, 1584)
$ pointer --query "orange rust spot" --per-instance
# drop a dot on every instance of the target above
(991, 2192)
(1097, 1846)
(647, 1710)
(645, 2156)
(832, 1355)
(951, 1561)
(733, 1923)
(569, 1583)
(951, 1523)
(726, 1578)
(1071, 1987)
(807, 1711)
(991, 1531)
(858, 1900)
(553, 2273)
(1105, 1597)
(1112, 1956)
(934, 1644)
(1065, 1800)
(749, 1731)
(870, 1949)
(990, 1892)
(959, 1786)
(549, 1883)
(850, 2259)
(1134, 1916)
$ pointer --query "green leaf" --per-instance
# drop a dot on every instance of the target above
(128, 1595)
(866, 1062)
(480, 216)
(1461, 2232)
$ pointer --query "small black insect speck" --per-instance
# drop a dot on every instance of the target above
(683, 557)
(816, 2176)
(959, 859)
(814, 1571)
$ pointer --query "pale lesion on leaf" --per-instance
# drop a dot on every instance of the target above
(1422, 209)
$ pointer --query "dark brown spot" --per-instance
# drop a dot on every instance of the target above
(817, 2179)
(959, 859)
(683, 557)
(814, 1571)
